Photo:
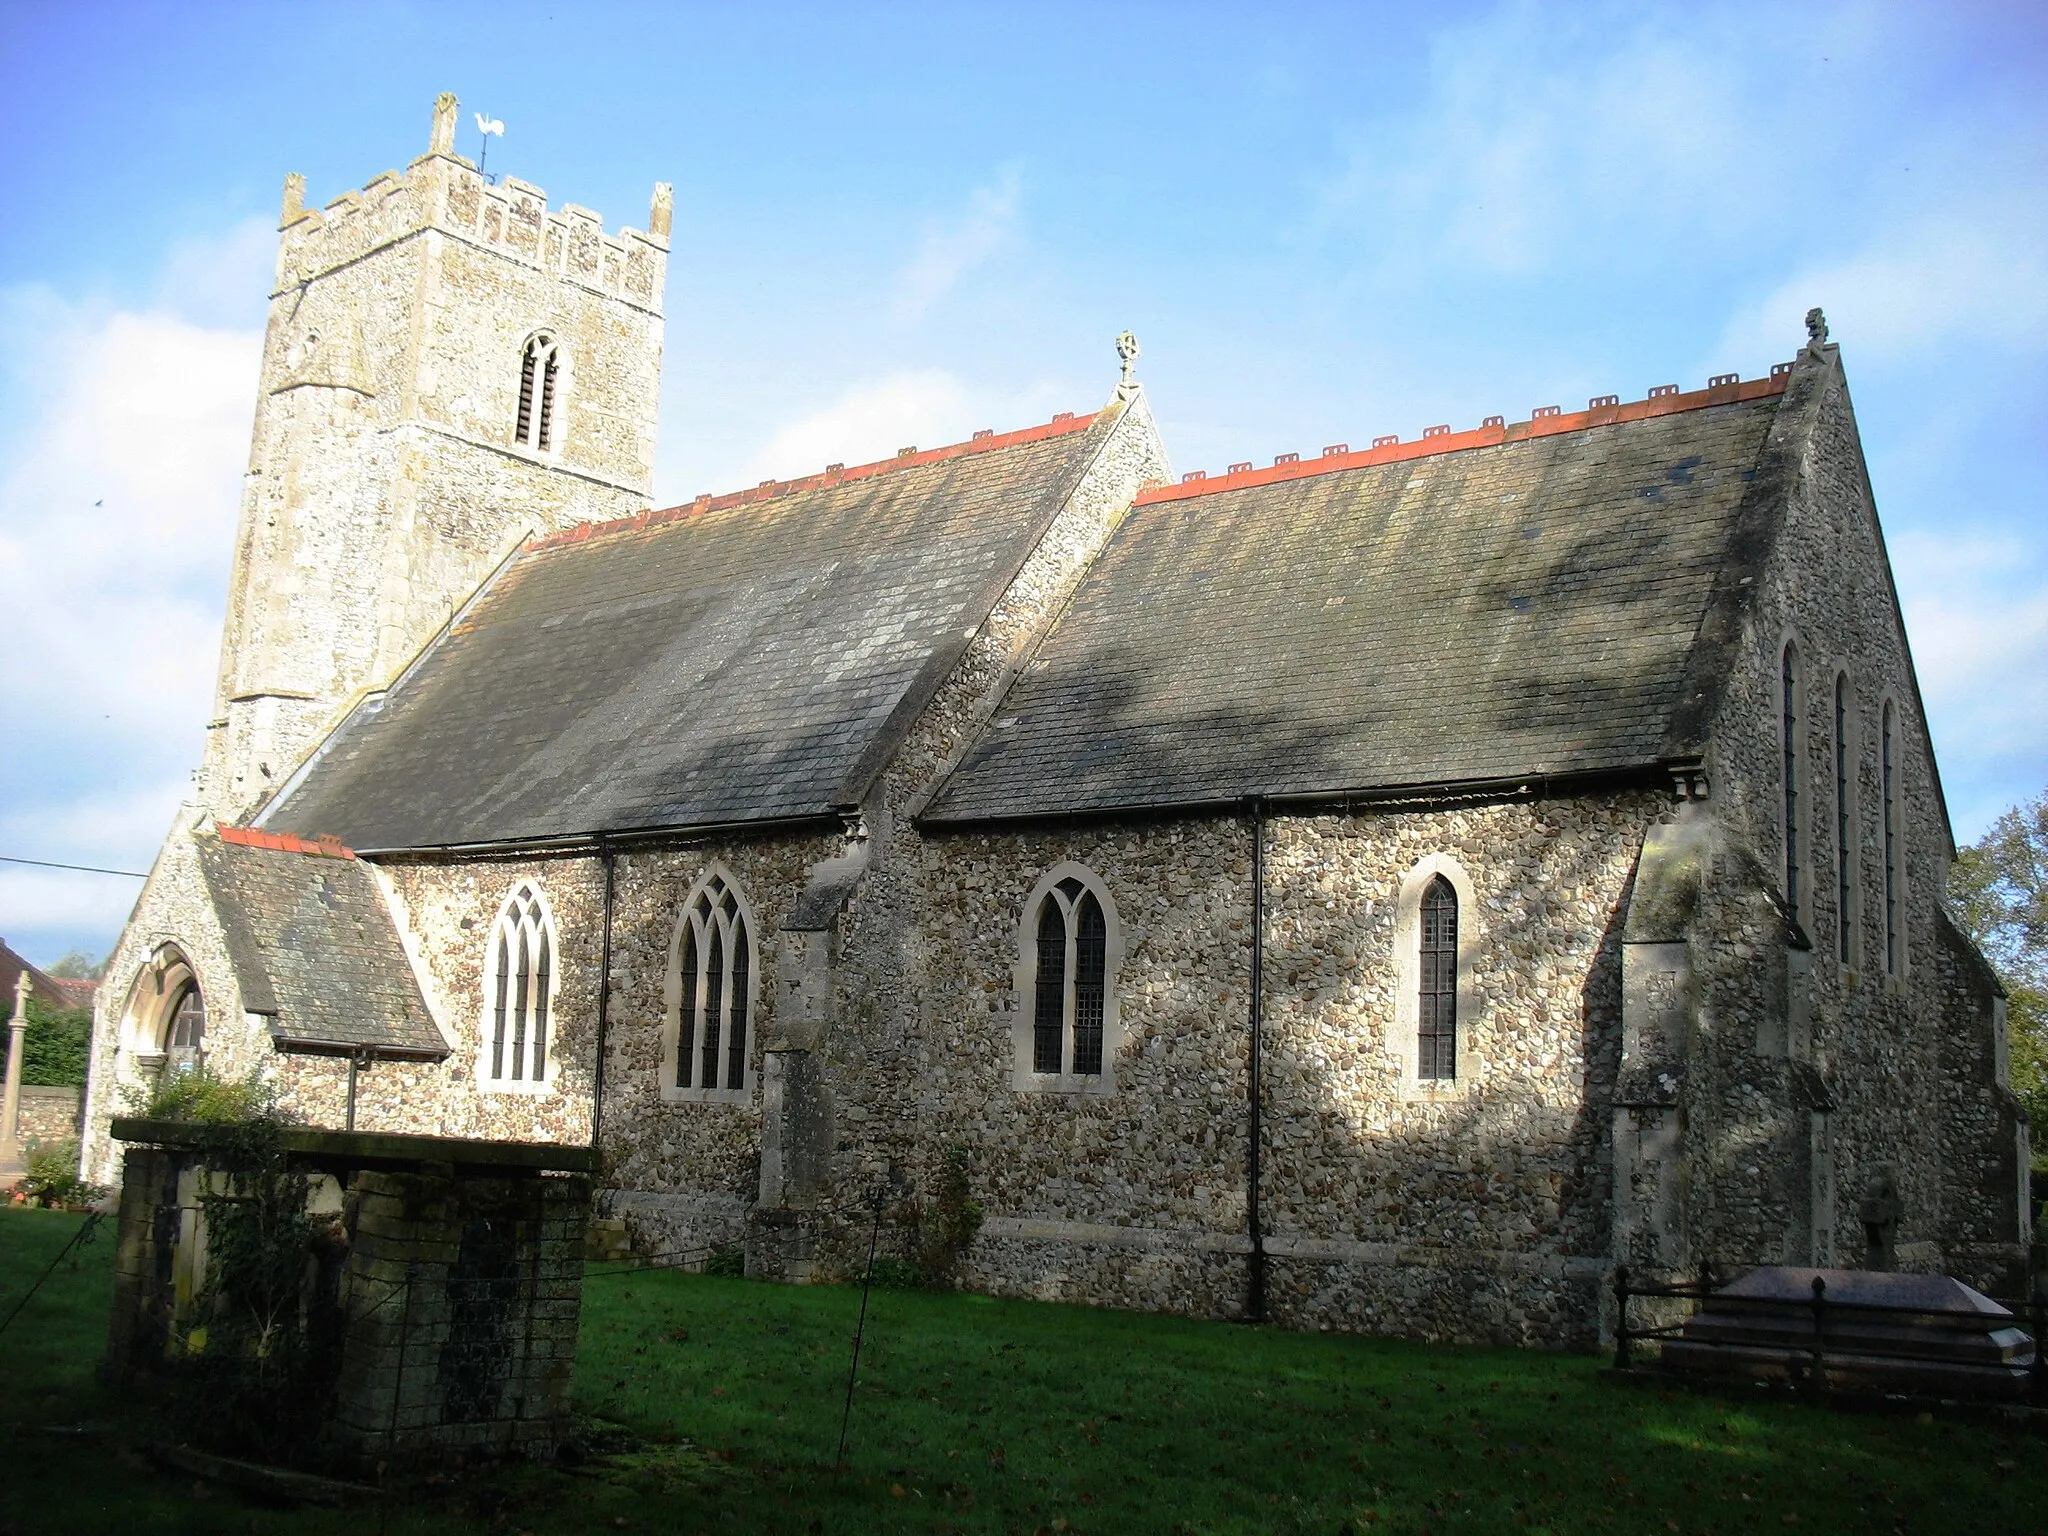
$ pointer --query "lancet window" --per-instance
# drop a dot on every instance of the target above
(1436, 1043)
(1845, 826)
(1888, 784)
(1790, 701)
(519, 992)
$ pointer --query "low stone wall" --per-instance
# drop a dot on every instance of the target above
(48, 1115)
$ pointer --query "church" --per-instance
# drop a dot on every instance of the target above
(1384, 890)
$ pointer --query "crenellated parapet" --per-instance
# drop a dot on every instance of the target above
(443, 191)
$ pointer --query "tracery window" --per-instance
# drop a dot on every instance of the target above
(1845, 835)
(1789, 700)
(1071, 946)
(539, 371)
(1887, 773)
(519, 992)
(1436, 1037)
(185, 1020)
(712, 971)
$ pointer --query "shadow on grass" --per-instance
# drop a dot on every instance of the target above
(980, 1415)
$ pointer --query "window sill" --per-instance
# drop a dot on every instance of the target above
(739, 1096)
(517, 1090)
(1068, 1084)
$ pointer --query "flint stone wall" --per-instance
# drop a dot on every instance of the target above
(1383, 1197)
(48, 1115)
(1905, 1061)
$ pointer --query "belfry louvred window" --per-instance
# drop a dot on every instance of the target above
(715, 975)
(539, 370)
(1436, 1053)
(1071, 988)
(519, 990)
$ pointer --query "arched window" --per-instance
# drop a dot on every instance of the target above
(712, 971)
(1789, 731)
(519, 992)
(1888, 781)
(1435, 1002)
(1070, 948)
(1436, 1039)
(164, 1021)
(185, 1020)
(538, 372)
(1845, 827)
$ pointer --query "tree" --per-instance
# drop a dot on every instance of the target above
(1999, 887)
(79, 966)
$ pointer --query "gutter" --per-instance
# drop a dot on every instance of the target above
(1351, 801)
(589, 844)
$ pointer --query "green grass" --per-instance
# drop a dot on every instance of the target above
(996, 1416)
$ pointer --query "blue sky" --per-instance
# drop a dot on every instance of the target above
(897, 224)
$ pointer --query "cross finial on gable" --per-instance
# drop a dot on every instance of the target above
(1816, 328)
(1127, 354)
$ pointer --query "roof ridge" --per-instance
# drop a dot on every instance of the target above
(326, 846)
(1544, 421)
(987, 440)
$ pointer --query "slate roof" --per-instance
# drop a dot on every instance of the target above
(743, 659)
(313, 946)
(1515, 602)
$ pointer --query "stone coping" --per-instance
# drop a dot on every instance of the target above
(357, 1149)
(1792, 1284)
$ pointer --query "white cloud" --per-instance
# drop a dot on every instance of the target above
(951, 250)
(116, 519)
(923, 408)
(1976, 606)
(1541, 135)
(119, 485)
(1971, 268)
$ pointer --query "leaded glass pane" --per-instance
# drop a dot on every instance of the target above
(1091, 943)
(1437, 1017)
(736, 1042)
(1048, 1022)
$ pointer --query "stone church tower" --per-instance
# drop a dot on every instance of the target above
(448, 368)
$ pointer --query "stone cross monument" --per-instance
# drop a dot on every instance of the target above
(11, 1164)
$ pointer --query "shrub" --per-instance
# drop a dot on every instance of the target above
(56, 1045)
(198, 1095)
(949, 1221)
(263, 1343)
(53, 1181)
(890, 1273)
(728, 1259)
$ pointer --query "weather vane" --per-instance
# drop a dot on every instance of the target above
(487, 126)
